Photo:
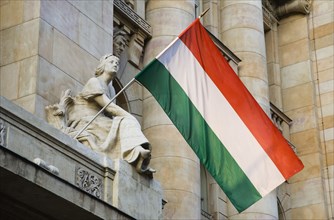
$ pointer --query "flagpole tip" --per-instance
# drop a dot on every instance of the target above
(204, 12)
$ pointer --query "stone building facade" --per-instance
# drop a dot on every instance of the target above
(283, 51)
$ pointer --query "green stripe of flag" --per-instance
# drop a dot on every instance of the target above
(211, 152)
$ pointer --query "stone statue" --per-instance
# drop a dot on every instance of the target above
(114, 132)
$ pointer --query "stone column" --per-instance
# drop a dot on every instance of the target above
(242, 31)
(177, 166)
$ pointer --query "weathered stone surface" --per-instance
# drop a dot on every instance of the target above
(9, 78)
(11, 13)
(63, 16)
(28, 76)
(324, 52)
(316, 211)
(245, 16)
(164, 134)
(244, 40)
(168, 22)
(290, 55)
(266, 203)
(305, 141)
(52, 82)
(296, 74)
(19, 42)
(186, 6)
(322, 7)
(227, 3)
(45, 44)
(306, 193)
(303, 119)
(312, 168)
(298, 27)
(182, 204)
(185, 176)
(158, 116)
(93, 38)
(32, 103)
(298, 96)
(136, 194)
(252, 65)
(324, 64)
(72, 59)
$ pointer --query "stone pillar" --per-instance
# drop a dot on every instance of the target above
(177, 166)
(242, 31)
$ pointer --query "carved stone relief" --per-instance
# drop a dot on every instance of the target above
(88, 182)
(132, 28)
(278, 9)
(120, 41)
(131, 17)
(3, 133)
(300, 6)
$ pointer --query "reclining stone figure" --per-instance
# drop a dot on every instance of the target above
(114, 132)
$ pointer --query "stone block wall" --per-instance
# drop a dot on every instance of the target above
(305, 45)
(50, 46)
(321, 25)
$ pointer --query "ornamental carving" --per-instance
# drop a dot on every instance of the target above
(294, 7)
(88, 182)
(2, 133)
(130, 14)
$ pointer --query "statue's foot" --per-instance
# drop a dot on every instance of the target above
(145, 153)
(149, 170)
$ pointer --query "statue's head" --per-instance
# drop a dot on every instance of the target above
(105, 59)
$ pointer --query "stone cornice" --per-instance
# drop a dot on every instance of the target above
(127, 16)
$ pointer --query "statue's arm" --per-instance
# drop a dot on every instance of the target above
(112, 108)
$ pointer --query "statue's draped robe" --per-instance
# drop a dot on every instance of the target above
(106, 133)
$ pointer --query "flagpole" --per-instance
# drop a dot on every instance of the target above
(203, 13)
(104, 107)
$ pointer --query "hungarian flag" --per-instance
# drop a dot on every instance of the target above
(218, 117)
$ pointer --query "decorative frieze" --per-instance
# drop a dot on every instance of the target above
(130, 30)
(128, 13)
(269, 14)
(88, 182)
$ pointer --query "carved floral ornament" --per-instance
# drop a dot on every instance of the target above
(88, 182)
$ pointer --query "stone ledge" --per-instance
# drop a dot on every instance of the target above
(30, 192)
(66, 161)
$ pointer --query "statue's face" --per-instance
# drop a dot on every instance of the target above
(112, 65)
